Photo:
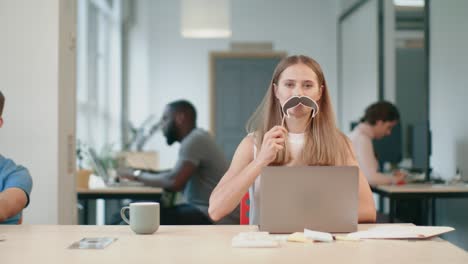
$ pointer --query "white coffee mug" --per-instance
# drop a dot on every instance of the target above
(144, 217)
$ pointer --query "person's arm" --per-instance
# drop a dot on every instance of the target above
(243, 171)
(366, 208)
(364, 151)
(12, 201)
(14, 196)
(173, 180)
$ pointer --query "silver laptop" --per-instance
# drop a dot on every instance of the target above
(318, 198)
(102, 172)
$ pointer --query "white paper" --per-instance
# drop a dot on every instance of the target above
(318, 236)
(96, 182)
(254, 240)
(401, 232)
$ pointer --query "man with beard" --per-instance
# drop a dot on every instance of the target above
(200, 166)
(15, 185)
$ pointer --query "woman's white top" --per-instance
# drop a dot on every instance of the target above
(296, 144)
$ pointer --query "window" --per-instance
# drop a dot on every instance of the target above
(99, 73)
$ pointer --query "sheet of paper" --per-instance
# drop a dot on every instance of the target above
(401, 232)
(298, 237)
(254, 240)
(318, 236)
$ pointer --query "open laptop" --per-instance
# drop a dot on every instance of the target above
(101, 171)
(320, 198)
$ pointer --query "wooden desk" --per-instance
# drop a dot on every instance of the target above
(427, 192)
(207, 244)
(119, 193)
(134, 193)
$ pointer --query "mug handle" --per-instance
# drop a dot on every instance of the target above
(122, 214)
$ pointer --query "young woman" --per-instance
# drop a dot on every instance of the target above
(378, 122)
(302, 140)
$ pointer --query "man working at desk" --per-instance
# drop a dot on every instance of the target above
(378, 121)
(200, 166)
(15, 185)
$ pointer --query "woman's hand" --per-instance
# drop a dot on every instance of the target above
(399, 177)
(273, 141)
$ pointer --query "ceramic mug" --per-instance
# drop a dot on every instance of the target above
(144, 217)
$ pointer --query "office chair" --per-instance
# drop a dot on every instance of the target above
(244, 209)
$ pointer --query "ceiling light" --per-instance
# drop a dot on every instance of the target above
(409, 3)
(205, 19)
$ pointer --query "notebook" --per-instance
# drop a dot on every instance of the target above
(401, 232)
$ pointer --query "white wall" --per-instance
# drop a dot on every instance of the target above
(179, 68)
(448, 100)
(389, 51)
(448, 86)
(39, 114)
(359, 60)
(359, 63)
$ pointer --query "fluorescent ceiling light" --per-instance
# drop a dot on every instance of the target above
(205, 19)
(410, 3)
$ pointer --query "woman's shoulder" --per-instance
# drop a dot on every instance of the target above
(249, 140)
(245, 150)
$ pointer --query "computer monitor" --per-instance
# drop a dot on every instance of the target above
(390, 148)
(421, 147)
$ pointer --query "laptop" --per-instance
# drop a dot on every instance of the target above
(101, 171)
(322, 198)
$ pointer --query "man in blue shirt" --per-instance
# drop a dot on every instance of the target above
(15, 185)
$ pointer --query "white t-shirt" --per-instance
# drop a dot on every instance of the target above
(296, 144)
(361, 137)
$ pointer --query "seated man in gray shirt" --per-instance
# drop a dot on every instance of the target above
(200, 166)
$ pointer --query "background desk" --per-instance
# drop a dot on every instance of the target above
(207, 244)
(426, 192)
(134, 193)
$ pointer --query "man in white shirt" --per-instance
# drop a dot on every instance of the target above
(378, 122)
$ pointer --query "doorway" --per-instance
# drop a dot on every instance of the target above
(238, 83)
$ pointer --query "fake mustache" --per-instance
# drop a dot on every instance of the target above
(293, 101)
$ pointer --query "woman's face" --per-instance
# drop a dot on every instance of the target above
(298, 80)
(383, 128)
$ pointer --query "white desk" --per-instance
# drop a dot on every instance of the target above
(207, 244)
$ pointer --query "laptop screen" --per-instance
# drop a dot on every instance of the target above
(97, 165)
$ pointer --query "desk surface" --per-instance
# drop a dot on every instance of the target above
(207, 244)
(422, 188)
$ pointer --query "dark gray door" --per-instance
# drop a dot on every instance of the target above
(411, 92)
(240, 84)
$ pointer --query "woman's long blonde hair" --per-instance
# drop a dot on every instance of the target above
(324, 144)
